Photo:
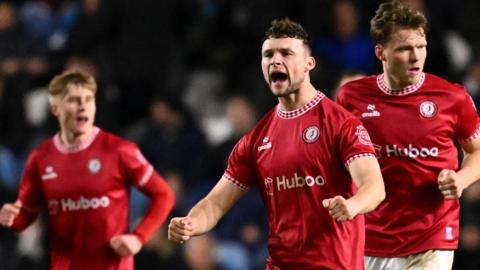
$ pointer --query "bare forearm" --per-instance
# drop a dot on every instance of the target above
(469, 172)
(368, 196)
(206, 215)
(371, 190)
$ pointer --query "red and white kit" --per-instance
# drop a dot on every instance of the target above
(297, 159)
(86, 192)
(414, 132)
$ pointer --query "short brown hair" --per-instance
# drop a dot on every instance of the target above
(394, 15)
(59, 84)
(286, 28)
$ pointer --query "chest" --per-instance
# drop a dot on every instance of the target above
(406, 120)
(88, 173)
(290, 146)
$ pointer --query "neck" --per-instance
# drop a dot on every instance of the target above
(69, 138)
(298, 99)
(394, 83)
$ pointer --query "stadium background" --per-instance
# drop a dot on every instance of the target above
(182, 79)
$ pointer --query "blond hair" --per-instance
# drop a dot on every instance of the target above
(58, 86)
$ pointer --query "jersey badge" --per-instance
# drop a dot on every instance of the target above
(311, 134)
(371, 111)
(94, 165)
(49, 173)
(428, 109)
(363, 136)
(266, 144)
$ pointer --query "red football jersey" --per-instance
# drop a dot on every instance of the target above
(297, 159)
(86, 191)
(414, 132)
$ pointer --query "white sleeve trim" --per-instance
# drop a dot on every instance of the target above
(357, 156)
(235, 182)
(475, 135)
(146, 177)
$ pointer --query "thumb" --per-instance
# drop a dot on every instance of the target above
(18, 204)
(442, 176)
(186, 221)
(326, 203)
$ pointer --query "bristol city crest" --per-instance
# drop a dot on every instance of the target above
(311, 134)
(428, 109)
(94, 165)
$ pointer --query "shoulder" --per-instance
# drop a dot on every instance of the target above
(115, 142)
(334, 111)
(434, 81)
(359, 86)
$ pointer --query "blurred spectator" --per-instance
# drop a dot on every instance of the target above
(347, 47)
(171, 140)
(241, 116)
(22, 65)
(200, 253)
(472, 82)
(347, 76)
(160, 254)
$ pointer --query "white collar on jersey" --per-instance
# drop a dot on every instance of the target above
(76, 147)
(382, 84)
(305, 108)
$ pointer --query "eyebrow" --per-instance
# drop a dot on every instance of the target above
(283, 50)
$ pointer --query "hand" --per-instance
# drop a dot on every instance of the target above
(126, 244)
(180, 229)
(449, 184)
(339, 208)
(9, 212)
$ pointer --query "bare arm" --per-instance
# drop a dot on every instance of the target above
(206, 213)
(371, 191)
(451, 183)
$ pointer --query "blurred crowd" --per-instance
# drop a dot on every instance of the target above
(182, 79)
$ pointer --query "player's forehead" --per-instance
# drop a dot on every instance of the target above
(275, 44)
(407, 36)
(77, 90)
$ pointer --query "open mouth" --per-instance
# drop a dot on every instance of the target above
(415, 69)
(82, 119)
(278, 76)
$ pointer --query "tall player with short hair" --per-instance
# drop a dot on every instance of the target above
(82, 177)
(414, 120)
(302, 156)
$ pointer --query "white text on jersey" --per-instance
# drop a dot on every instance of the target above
(84, 203)
(410, 151)
(284, 182)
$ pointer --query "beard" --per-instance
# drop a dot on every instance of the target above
(292, 88)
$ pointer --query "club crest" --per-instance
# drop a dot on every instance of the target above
(311, 134)
(428, 109)
(94, 165)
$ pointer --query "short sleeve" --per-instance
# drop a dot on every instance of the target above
(30, 190)
(354, 141)
(468, 127)
(240, 169)
(137, 169)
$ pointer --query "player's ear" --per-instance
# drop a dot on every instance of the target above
(53, 105)
(311, 63)
(379, 52)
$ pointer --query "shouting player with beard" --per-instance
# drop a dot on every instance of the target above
(414, 120)
(312, 161)
(82, 177)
